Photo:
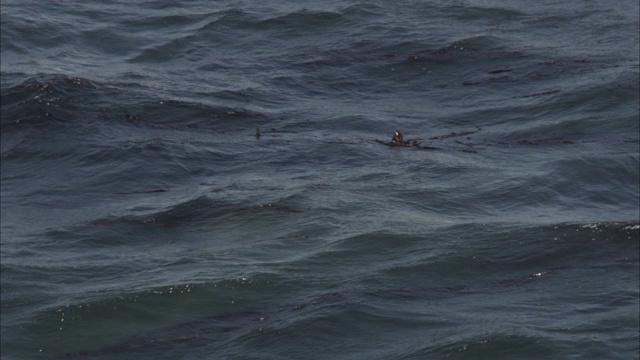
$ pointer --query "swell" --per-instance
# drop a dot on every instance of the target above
(56, 120)
(352, 311)
(240, 23)
(60, 96)
(150, 181)
(35, 99)
(447, 269)
(461, 254)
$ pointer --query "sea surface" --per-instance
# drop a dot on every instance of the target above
(213, 179)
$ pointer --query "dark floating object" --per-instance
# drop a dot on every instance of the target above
(257, 132)
(453, 134)
(141, 192)
(537, 94)
(398, 140)
(498, 71)
(131, 116)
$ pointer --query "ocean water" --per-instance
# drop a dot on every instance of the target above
(143, 218)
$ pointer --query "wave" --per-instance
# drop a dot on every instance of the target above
(80, 104)
(41, 96)
(413, 280)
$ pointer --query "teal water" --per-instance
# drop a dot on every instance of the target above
(142, 217)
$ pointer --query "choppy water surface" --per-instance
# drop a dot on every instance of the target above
(143, 218)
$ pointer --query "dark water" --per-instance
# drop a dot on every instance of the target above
(143, 219)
